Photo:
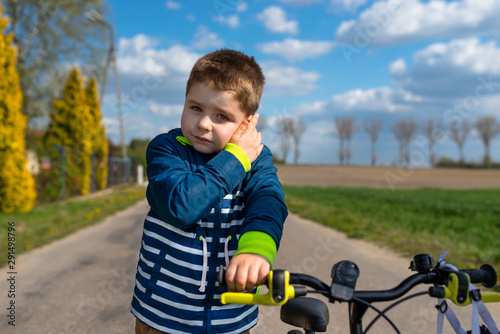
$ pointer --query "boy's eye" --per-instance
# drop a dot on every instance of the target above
(196, 108)
(223, 117)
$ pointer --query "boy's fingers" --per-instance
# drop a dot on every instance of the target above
(243, 125)
(241, 129)
(254, 119)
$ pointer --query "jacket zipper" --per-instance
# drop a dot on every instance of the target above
(212, 272)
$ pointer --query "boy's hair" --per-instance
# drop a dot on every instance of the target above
(230, 70)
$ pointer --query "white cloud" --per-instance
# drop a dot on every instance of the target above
(450, 70)
(232, 21)
(297, 3)
(373, 99)
(136, 45)
(395, 22)
(241, 6)
(275, 19)
(346, 5)
(294, 49)
(139, 55)
(397, 67)
(166, 110)
(288, 81)
(204, 38)
(149, 73)
(380, 100)
(173, 5)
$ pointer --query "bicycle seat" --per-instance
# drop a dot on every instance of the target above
(307, 313)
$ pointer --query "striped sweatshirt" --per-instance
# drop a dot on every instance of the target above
(204, 210)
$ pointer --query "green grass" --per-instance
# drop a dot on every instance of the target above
(464, 222)
(48, 222)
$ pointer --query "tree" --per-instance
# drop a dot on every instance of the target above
(262, 124)
(298, 129)
(459, 134)
(345, 128)
(71, 127)
(285, 126)
(405, 132)
(372, 127)
(48, 35)
(433, 132)
(17, 186)
(98, 136)
(487, 127)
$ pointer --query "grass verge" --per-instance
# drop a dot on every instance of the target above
(48, 222)
(464, 222)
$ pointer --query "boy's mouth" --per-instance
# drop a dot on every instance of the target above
(203, 140)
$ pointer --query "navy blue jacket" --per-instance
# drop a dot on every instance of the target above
(200, 207)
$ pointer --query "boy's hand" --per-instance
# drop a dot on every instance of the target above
(248, 138)
(246, 271)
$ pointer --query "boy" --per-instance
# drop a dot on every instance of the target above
(215, 199)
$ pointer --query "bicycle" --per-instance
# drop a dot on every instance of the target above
(288, 290)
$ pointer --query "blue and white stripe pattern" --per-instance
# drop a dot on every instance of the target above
(171, 294)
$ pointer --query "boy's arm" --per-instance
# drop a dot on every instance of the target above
(265, 203)
(179, 195)
(263, 227)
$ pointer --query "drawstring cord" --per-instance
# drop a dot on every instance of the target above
(205, 265)
(226, 250)
(205, 260)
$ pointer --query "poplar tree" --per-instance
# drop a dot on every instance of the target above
(99, 139)
(17, 186)
(71, 127)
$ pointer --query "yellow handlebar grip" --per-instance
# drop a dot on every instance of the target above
(252, 299)
(490, 297)
(265, 299)
(238, 298)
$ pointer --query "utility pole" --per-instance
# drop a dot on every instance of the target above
(111, 59)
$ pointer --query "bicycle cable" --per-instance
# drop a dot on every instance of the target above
(393, 305)
(321, 292)
(378, 311)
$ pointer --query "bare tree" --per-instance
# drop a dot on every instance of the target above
(487, 127)
(433, 132)
(345, 128)
(262, 124)
(298, 129)
(405, 132)
(284, 125)
(459, 134)
(372, 127)
(48, 35)
(338, 132)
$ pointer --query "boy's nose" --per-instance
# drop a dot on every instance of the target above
(205, 123)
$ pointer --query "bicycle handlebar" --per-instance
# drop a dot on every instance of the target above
(485, 275)
(455, 287)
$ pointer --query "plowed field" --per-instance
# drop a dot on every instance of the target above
(387, 177)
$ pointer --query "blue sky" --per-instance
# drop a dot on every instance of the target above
(322, 59)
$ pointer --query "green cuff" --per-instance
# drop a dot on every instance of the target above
(257, 242)
(239, 154)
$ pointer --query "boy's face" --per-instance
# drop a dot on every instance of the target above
(210, 118)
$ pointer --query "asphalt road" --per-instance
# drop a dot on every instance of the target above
(83, 283)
